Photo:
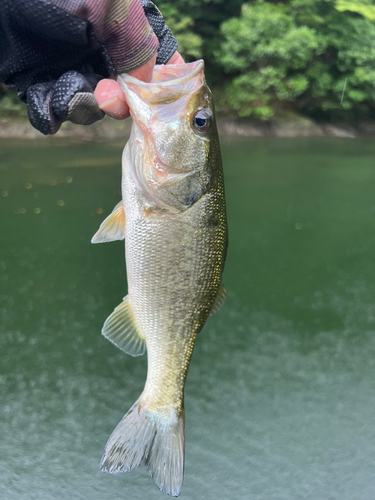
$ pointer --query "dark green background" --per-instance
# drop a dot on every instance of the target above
(280, 393)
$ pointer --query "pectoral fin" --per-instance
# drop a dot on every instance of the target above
(113, 227)
(120, 329)
(219, 299)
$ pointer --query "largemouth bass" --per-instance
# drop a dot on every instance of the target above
(173, 219)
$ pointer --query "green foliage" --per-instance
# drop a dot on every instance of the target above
(306, 54)
(364, 7)
(189, 43)
(269, 51)
(206, 17)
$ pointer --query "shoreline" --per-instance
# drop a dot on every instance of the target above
(108, 129)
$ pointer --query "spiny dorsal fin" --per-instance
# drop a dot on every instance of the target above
(113, 227)
(219, 299)
(120, 329)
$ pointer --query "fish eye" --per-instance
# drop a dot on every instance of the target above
(202, 120)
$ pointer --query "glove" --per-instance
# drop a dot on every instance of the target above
(55, 56)
(70, 98)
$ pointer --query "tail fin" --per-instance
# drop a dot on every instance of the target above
(143, 439)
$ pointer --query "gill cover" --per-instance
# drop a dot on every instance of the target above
(172, 135)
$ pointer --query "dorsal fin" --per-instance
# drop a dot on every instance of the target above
(113, 227)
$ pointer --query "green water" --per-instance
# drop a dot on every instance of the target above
(280, 395)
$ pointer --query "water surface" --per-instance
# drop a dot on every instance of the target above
(280, 395)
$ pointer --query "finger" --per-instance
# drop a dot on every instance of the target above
(176, 59)
(144, 73)
(111, 99)
(39, 108)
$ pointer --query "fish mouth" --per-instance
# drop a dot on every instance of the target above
(167, 74)
(169, 82)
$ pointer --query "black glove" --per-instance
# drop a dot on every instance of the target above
(55, 61)
(70, 98)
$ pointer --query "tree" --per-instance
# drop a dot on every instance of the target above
(306, 54)
(205, 18)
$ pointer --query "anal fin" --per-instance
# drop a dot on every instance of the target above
(120, 329)
(113, 227)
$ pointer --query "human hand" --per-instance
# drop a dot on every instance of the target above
(55, 53)
(110, 96)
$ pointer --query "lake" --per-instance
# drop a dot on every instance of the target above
(280, 395)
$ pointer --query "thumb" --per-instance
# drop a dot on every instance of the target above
(111, 99)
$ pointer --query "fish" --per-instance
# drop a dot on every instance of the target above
(173, 219)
